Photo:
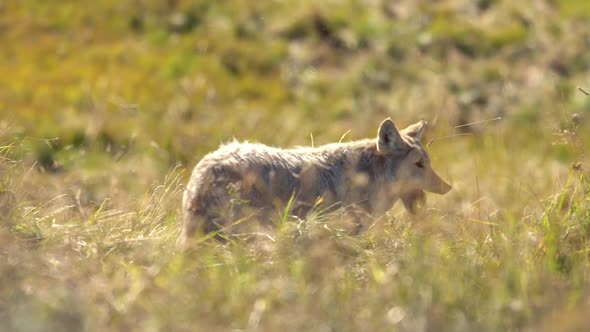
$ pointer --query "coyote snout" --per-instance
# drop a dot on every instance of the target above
(371, 174)
(436, 184)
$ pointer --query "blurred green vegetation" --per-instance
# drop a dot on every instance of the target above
(106, 105)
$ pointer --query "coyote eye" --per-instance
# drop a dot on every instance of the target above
(420, 164)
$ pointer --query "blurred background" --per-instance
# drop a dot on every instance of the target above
(169, 80)
(105, 106)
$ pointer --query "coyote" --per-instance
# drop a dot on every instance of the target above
(371, 174)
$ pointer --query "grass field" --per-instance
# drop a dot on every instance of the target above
(106, 106)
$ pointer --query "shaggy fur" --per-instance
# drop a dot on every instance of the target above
(370, 174)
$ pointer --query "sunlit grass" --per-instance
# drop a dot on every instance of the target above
(105, 107)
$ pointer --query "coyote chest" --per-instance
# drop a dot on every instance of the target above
(241, 179)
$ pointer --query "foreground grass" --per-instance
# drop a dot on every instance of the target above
(117, 268)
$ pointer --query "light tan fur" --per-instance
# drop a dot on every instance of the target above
(241, 179)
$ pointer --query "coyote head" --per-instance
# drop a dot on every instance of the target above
(407, 165)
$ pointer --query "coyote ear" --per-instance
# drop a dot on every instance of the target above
(388, 137)
(416, 130)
